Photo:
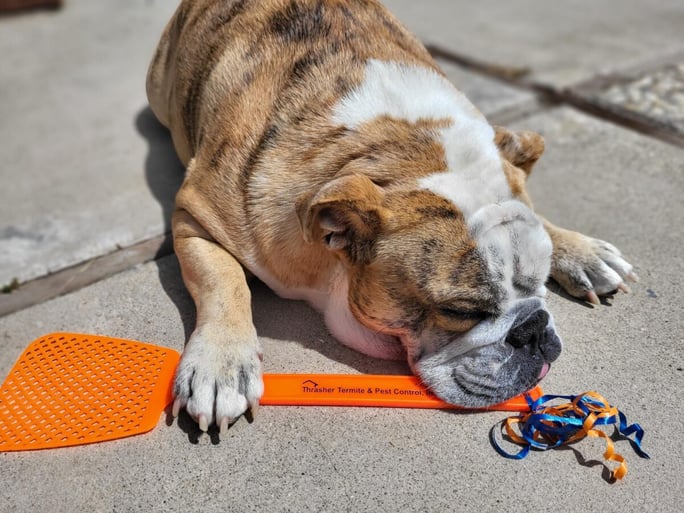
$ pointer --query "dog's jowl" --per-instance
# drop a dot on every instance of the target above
(328, 155)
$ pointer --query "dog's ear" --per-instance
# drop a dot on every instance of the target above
(522, 149)
(345, 214)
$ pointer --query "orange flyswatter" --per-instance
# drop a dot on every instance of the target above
(71, 389)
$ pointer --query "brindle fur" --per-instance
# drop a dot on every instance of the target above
(247, 88)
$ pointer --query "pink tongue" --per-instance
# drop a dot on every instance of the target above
(544, 370)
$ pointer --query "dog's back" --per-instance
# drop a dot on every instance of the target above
(247, 89)
(260, 66)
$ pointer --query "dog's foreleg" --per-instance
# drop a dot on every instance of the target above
(586, 267)
(219, 375)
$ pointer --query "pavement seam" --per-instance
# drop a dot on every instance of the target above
(573, 95)
(86, 273)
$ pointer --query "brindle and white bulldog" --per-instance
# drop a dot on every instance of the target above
(328, 155)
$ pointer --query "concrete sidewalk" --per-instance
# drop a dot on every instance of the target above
(89, 179)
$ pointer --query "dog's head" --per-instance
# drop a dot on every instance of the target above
(455, 272)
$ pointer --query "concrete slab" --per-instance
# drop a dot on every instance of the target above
(560, 42)
(595, 177)
(76, 140)
(87, 169)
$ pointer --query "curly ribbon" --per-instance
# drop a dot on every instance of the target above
(547, 427)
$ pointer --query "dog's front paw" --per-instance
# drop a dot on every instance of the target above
(587, 268)
(218, 380)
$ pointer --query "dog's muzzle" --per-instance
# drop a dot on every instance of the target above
(535, 332)
(496, 360)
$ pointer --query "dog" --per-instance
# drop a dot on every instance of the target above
(328, 156)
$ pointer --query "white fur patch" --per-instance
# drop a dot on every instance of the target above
(403, 92)
(471, 184)
(474, 176)
(517, 249)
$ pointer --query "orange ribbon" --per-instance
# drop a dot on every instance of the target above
(546, 427)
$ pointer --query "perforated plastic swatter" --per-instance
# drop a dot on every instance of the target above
(70, 389)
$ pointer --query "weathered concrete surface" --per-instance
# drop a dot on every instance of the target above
(650, 99)
(76, 142)
(594, 177)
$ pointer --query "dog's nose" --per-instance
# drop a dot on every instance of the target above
(530, 331)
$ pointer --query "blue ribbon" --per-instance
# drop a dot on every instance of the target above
(557, 430)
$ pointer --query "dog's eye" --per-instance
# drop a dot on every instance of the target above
(464, 315)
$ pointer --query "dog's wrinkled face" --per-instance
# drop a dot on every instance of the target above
(464, 297)
(443, 257)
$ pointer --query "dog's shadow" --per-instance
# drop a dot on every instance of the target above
(282, 319)
(275, 318)
(164, 175)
